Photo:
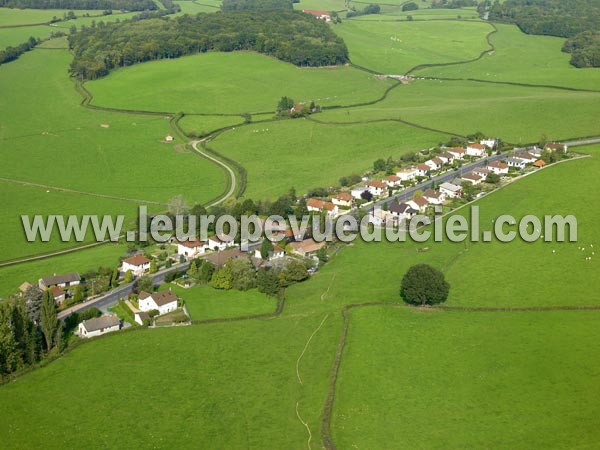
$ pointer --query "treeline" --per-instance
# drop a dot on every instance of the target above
(563, 18)
(11, 53)
(453, 4)
(245, 5)
(369, 9)
(287, 35)
(124, 5)
(584, 49)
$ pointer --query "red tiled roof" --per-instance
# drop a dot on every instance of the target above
(137, 260)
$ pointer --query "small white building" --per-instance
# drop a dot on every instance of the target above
(377, 188)
(163, 302)
(451, 190)
(191, 249)
(499, 168)
(434, 197)
(472, 178)
(489, 143)
(420, 204)
(137, 264)
(476, 150)
(316, 205)
(358, 191)
(423, 170)
(457, 152)
(342, 199)
(141, 318)
(407, 174)
(527, 157)
(219, 243)
(393, 181)
(99, 326)
(516, 162)
(169, 138)
(275, 252)
(434, 164)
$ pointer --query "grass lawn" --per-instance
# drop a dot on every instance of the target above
(514, 113)
(413, 379)
(206, 124)
(204, 302)
(396, 47)
(205, 83)
(523, 58)
(106, 255)
(322, 153)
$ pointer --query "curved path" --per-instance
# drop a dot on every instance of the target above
(228, 169)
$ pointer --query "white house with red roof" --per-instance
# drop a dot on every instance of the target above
(423, 170)
(316, 205)
(393, 180)
(457, 152)
(377, 188)
(137, 264)
(220, 242)
(407, 174)
(191, 249)
(163, 302)
(322, 15)
(499, 168)
(342, 199)
(476, 150)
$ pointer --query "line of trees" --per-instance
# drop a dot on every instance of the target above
(367, 10)
(11, 53)
(287, 35)
(584, 49)
(124, 5)
(244, 5)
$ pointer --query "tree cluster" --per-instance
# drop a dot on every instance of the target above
(122, 5)
(584, 49)
(369, 9)
(287, 35)
(11, 53)
(245, 5)
(452, 4)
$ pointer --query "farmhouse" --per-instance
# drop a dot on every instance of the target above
(419, 203)
(219, 243)
(58, 294)
(137, 264)
(472, 178)
(99, 326)
(434, 197)
(358, 191)
(323, 15)
(377, 188)
(342, 199)
(451, 190)
(163, 302)
(476, 150)
(499, 168)
(315, 205)
(191, 249)
(407, 174)
(457, 152)
(516, 162)
(393, 180)
(63, 281)
(219, 259)
(307, 247)
(423, 170)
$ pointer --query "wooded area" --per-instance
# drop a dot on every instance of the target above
(124, 5)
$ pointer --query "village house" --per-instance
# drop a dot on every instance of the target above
(407, 174)
(377, 188)
(435, 163)
(220, 243)
(191, 249)
(423, 170)
(323, 15)
(163, 302)
(489, 143)
(535, 151)
(63, 281)
(516, 162)
(527, 157)
(457, 152)
(499, 168)
(481, 171)
(358, 191)
(401, 211)
(393, 181)
(343, 199)
(451, 190)
(447, 157)
(316, 205)
(58, 294)
(434, 197)
(476, 150)
(420, 204)
(137, 264)
(219, 259)
(306, 248)
(275, 252)
(99, 326)
(472, 178)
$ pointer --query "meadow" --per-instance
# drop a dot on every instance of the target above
(321, 153)
(517, 114)
(522, 58)
(468, 380)
(396, 47)
(14, 16)
(194, 7)
(205, 83)
(204, 124)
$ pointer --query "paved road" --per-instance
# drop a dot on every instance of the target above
(580, 142)
(222, 164)
(113, 297)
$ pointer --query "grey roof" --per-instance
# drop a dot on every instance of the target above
(59, 279)
(401, 208)
(450, 187)
(106, 321)
(515, 161)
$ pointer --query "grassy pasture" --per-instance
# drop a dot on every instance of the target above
(321, 5)
(515, 113)
(204, 302)
(396, 12)
(321, 153)
(11, 277)
(523, 58)
(206, 124)
(396, 47)
(207, 6)
(413, 379)
(205, 83)
(12, 17)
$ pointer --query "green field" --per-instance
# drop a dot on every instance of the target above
(12, 17)
(206, 84)
(515, 113)
(396, 47)
(204, 302)
(523, 58)
(194, 7)
(205, 124)
(413, 379)
(322, 153)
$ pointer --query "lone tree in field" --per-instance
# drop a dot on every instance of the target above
(424, 285)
